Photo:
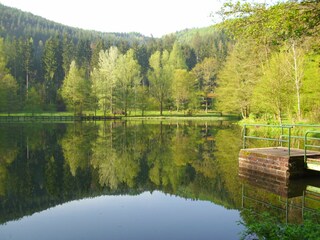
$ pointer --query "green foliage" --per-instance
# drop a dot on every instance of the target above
(311, 87)
(265, 226)
(33, 102)
(8, 85)
(275, 91)
(104, 78)
(206, 74)
(64, 162)
(183, 88)
(76, 89)
(160, 77)
(237, 79)
(231, 74)
(280, 38)
(272, 24)
(128, 80)
(8, 93)
(17, 23)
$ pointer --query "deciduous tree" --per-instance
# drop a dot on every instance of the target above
(160, 77)
(206, 74)
(182, 87)
(75, 90)
(128, 80)
(104, 78)
(237, 79)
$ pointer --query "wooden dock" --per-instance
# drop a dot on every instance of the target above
(277, 163)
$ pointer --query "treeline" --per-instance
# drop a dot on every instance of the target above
(273, 69)
(54, 68)
(18, 24)
(262, 62)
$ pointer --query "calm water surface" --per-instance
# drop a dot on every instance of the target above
(132, 180)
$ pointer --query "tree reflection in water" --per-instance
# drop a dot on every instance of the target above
(42, 165)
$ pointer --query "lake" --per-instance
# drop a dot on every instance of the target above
(138, 180)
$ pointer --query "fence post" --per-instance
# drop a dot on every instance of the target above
(289, 141)
(281, 136)
(305, 148)
(244, 135)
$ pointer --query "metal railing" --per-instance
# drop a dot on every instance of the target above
(306, 141)
(285, 138)
(286, 205)
(279, 140)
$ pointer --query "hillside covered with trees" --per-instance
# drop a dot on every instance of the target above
(262, 61)
(54, 67)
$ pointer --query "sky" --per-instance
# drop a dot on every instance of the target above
(149, 17)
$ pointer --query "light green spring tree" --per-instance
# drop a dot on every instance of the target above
(160, 77)
(286, 24)
(183, 88)
(128, 79)
(206, 74)
(75, 89)
(237, 80)
(275, 93)
(311, 87)
(104, 79)
(8, 85)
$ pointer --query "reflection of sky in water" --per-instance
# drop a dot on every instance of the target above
(147, 216)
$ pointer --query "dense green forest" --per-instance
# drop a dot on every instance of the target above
(262, 61)
(51, 67)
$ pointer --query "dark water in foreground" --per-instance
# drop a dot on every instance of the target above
(134, 180)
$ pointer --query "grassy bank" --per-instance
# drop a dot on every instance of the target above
(136, 115)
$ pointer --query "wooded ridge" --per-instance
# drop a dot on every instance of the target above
(262, 62)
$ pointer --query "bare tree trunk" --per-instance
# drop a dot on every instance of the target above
(279, 116)
(297, 79)
(206, 105)
(27, 83)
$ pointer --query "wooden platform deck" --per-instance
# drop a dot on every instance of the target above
(276, 162)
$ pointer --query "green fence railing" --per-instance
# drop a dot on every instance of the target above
(307, 140)
(285, 137)
(280, 139)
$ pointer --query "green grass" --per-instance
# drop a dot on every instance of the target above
(135, 114)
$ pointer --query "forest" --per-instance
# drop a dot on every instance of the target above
(261, 62)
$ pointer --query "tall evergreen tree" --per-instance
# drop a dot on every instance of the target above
(53, 70)
(28, 52)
